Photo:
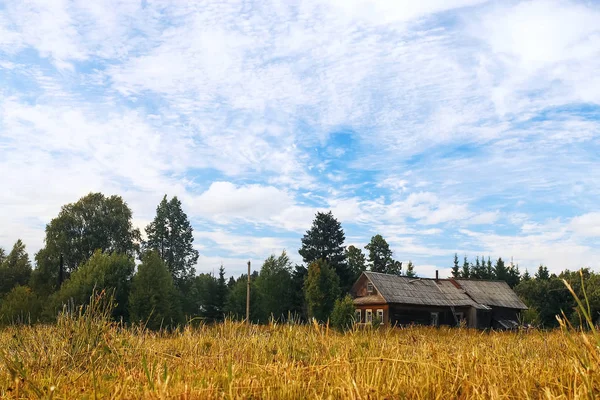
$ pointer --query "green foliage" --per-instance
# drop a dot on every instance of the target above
(171, 235)
(549, 297)
(325, 241)
(15, 268)
(357, 262)
(342, 316)
(456, 267)
(321, 289)
(153, 299)
(110, 273)
(530, 316)
(21, 305)
(542, 273)
(221, 293)
(380, 257)
(274, 285)
(500, 270)
(297, 300)
(236, 300)
(479, 271)
(94, 222)
(206, 298)
(466, 269)
(410, 270)
(513, 275)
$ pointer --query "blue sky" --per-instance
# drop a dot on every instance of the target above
(463, 126)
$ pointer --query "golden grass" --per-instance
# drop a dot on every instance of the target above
(90, 358)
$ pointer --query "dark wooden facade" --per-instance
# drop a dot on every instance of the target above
(445, 307)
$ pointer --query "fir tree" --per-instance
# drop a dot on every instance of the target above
(325, 241)
(456, 267)
(466, 269)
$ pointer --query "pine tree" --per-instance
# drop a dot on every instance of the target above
(153, 300)
(490, 269)
(321, 289)
(456, 267)
(526, 276)
(466, 269)
(325, 241)
(171, 235)
(380, 257)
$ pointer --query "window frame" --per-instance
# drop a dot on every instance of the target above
(370, 288)
(358, 312)
(380, 317)
(368, 316)
(434, 318)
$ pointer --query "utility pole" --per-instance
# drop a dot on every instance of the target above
(248, 298)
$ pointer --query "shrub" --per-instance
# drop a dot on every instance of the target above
(342, 316)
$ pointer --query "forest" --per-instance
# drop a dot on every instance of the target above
(153, 279)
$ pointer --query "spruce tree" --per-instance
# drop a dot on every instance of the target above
(542, 273)
(325, 241)
(171, 235)
(466, 269)
(500, 270)
(456, 267)
(526, 276)
(490, 269)
(221, 293)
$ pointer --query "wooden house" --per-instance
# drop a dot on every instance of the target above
(400, 300)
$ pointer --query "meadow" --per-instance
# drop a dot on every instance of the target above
(85, 355)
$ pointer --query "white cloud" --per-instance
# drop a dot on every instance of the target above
(253, 202)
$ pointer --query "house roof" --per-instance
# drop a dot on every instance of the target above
(418, 291)
(441, 292)
(492, 293)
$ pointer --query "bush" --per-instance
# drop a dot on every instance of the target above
(342, 316)
(20, 306)
(153, 299)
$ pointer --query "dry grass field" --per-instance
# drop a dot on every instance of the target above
(84, 356)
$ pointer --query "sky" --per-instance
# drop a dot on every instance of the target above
(451, 126)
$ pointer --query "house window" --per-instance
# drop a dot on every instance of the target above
(369, 316)
(435, 318)
(357, 316)
(380, 315)
(369, 288)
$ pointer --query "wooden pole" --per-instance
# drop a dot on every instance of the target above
(248, 298)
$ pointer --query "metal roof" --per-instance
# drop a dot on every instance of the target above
(492, 293)
(480, 294)
(405, 290)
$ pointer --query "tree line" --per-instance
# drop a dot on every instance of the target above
(153, 278)
(92, 246)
